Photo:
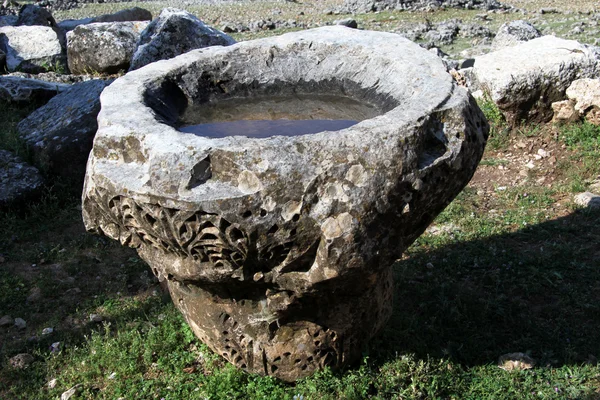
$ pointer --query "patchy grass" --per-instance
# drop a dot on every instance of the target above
(514, 273)
(512, 267)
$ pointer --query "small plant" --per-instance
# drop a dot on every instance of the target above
(490, 110)
(585, 136)
(498, 131)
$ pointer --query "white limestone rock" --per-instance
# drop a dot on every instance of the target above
(32, 48)
(104, 48)
(514, 32)
(524, 80)
(24, 90)
(286, 223)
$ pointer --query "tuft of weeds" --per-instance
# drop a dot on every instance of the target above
(499, 132)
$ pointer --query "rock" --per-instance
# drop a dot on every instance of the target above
(524, 80)
(20, 323)
(8, 20)
(70, 24)
(35, 294)
(276, 227)
(349, 22)
(513, 33)
(129, 14)
(6, 321)
(53, 77)
(175, 32)
(32, 49)
(366, 6)
(585, 96)
(2, 61)
(22, 90)
(96, 318)
(32, 15)
(60, 134)
(71, 392)
(21, 361)
(564, 112)
(52, 383)
(19, 181)
(47, 331)
(588, 200)
(104, 48)
(515, 361)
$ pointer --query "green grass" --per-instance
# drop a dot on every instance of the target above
(523, 278)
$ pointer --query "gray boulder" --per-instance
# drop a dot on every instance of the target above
(104, 48)
(175, 32)
(32, 48)
(366, 6)
(8, 20)
(130, 14)
(22, 90)
(60, 134)
(513, 33)
(32, 15)
(19, 181)
(524, 80)
(278, 248)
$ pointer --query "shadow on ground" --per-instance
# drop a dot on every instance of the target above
(535, 290)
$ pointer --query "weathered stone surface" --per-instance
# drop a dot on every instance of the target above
(2, 61)
(21, 361)
(278, 250)
(564, 111)
(19, 181)
(22, 90)
(103, 47)
(175, 32)
(524, 80)
(588, 199)
(60, 134)
(53, 77)
(8, 20)
(31, 48)
(585, 94)
(129, 14)
(365, 6)
(513, 33)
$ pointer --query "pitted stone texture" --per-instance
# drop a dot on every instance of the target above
(31, 48)
(129, 14)
(514, 32)
(19, 181)
(585, 95)
(60, 134)
(23, 90)
(365, 6)
(278, 250)
(103, 47)
(524, 80)
(8, 20)
(175, 32)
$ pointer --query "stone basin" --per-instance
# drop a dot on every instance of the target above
(278, 249)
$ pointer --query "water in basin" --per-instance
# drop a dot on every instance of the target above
(262, 117)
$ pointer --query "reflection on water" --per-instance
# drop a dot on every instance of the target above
(263, 117)
(267, 128)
